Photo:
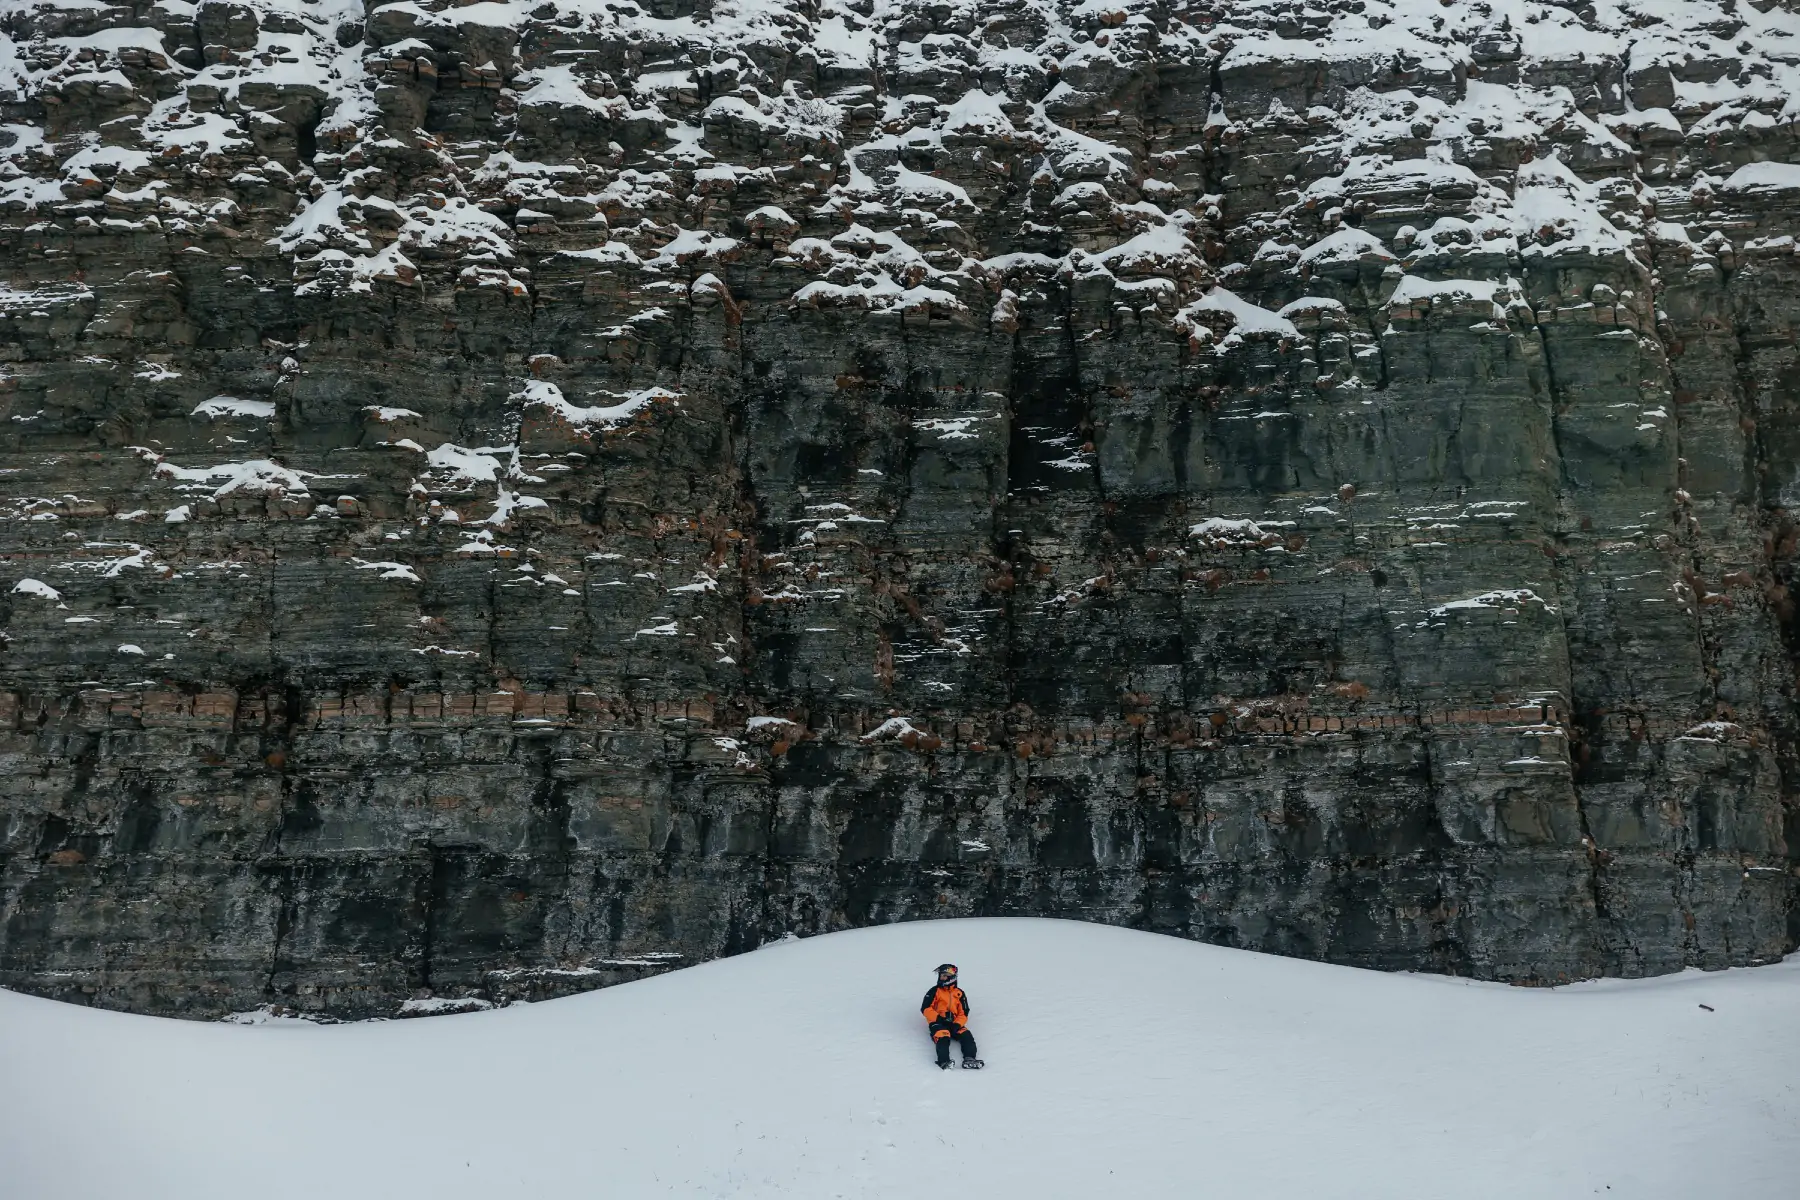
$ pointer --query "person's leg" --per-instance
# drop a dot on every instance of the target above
(966, 1040)
(940, 1039)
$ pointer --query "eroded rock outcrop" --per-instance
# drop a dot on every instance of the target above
(504, 498)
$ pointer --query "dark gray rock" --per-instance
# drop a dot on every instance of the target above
(507, 499)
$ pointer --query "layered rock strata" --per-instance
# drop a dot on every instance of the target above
(504, 498)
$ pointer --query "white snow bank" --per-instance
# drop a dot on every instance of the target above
(1505, 598)
(1345, 245)
(1764, 177)
(1227, 529)
(1121, 1064)
(546, 395)
(1249, 317)
(257, 477)
(1412, 289)
(233, 406)
(892, 728)
(388, 570)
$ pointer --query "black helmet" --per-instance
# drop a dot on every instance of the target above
(946, 972)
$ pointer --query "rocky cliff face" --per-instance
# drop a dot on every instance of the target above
(505, 498)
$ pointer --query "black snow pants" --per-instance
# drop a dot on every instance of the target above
(943, 1032)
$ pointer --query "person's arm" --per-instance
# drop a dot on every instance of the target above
(925, 1004)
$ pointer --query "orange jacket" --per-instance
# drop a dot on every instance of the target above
(946, 1004)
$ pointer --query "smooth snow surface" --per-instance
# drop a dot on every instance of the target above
(1121, 1064)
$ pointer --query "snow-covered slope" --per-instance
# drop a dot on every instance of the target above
(1121, 1064)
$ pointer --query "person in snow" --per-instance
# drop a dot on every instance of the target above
(946, 1009)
